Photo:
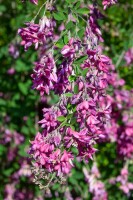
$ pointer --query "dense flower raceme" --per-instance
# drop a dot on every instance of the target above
(125, 185)
(96, 186)
(84, 115)
(121, 122)
(129, 56)
(52, 150)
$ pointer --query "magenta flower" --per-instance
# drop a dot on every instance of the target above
(64, 165)
(50, 122)
(34, 1)
(96, 186)
(44, 76)
(29, 35)
(63, 73)
(108, 3)
(36, 33)
(47, 157)
(129, 56)
(70, 49)
(122, 179)
(13, 50)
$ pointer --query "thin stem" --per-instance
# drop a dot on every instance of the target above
(120, 59)
(39, 11)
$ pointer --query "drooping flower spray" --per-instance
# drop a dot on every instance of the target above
(74, 67)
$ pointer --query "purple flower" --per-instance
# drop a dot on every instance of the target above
(11, 71)
(36, 33)
(70, 49)
(129, 56)
(125, 186)
(53, 160)
(13, 50)
(29, 35)
(34, 1)
(49, 122)
(64, 165)
(63, 73)
(108, 3)
(44, 76)
(96, 186)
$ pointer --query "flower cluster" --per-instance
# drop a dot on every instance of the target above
(96, 186)
(125, 185)
(121, 116)
(47, 156)
(36, 33)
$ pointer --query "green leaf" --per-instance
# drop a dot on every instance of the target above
(69, 1)
(8, 172)
(21, 66)
(2, 8)
(60, 43)
(2, 149)
(69, 25)
(69, 116)
(84, 72)
(72, 78)
(23, 88)
(80, 60)
(68, 94)
(83, 11)
(61, 118)
(59, 16)
(2, 102)
(80, 33)
(76, 89)
(65, 39)
(77, 5)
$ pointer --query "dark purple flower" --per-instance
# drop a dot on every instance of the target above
(44, 76)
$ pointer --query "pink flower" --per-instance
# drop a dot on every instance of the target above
(34, 1)
(129, 56)
(36, 33)
(70, 49)
(65, 164)
(108, 3)
(13, 50)
(49, 122)
(44, 75)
